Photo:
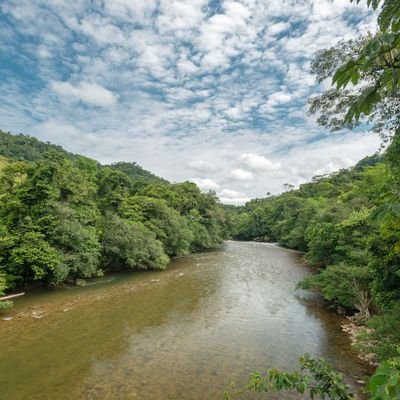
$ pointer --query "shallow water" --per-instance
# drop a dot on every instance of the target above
(184, 333)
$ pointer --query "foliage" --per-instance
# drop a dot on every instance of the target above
(344, 225)
(365, 74)
(3, 303)
(316, 379)
(168, 226)
(136, 172)
(343, 285)
(131, 244)
(389, 16)
(63, 216)
(383, 337)
(78, 243)
(385, 383)
(33, 258)
(348, 223)
(26, 148)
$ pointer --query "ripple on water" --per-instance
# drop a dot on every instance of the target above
(184, 333)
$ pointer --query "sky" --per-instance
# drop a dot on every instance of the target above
(214, 92)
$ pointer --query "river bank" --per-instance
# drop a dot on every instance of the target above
(45, 302)
(353, 329)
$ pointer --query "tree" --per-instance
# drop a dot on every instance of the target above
(365, 73)
(77, 242)
(347, 286)
(130, 244)
(168, 226)
(113, 186)
(321, 240)
(34, 259)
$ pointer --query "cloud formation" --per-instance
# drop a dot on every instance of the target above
(259, 163)
(212, 91)
(239, 174)
(86, 92)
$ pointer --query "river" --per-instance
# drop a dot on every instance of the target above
(188, 332)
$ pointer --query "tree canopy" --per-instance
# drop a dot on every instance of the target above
(365, 74)
(64, 216)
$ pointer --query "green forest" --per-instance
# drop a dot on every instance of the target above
(348, 223)
(348, 226)
(65, 217)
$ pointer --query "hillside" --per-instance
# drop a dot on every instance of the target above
(136, 172)
(28, 148)
(64, 216)
(347, 224)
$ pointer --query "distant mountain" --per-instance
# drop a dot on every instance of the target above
(369, 161)
(65, 217)
(136, 172)
(27, 148)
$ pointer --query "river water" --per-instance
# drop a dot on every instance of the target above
(189, 332)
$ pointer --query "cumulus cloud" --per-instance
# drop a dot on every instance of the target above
(232, 194)
(183, 87)
(205, 184)
(229, 196)
(86, 92)
(234, 201)
(259, 163)
(278, 28)
(202, 166)
(239, 174)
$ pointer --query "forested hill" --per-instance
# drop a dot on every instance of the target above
(135, 171)
(64, 216)
(348, 225)
(278, 218)
(27, 148)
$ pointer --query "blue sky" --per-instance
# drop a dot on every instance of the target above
(209, 91)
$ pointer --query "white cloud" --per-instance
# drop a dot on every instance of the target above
(234, 201)
(278, 28)
(236, 10)
(138, 11)
(187, 67)
(86, 92)
(259, 163)
(205, 184)
(239, 174)
(101, 30)
(276, 99)
(232, 194)
(202, 166)
(181, 88)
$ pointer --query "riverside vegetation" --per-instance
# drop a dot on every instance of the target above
(64, 216)
(348, 223)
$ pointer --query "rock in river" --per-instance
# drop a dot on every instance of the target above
(80, 282)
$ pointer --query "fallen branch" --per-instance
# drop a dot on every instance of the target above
(11, 296)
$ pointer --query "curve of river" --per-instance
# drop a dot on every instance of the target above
(184, 333)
